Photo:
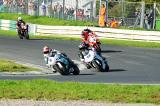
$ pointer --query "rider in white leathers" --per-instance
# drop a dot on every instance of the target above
(48, 52)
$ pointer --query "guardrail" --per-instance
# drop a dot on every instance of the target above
(76, 31)
(101, 32)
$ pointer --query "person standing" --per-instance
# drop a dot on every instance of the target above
(43, 6)
(151, 19)
(102, 16)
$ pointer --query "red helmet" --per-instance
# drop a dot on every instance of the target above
(46, 49)
(84, 33)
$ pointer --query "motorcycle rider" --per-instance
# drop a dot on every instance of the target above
(87, 35)
(19, 23)
(48, 52)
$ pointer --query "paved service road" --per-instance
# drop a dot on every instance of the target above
(127, 64)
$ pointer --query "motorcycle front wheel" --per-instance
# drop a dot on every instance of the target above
(62, 69)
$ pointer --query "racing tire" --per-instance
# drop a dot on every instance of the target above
(107, 68)
(62, 69)
(20, 36)
(26, 35)
(76, 70)
(98, 66)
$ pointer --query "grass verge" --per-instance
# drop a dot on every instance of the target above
(11, 66)
(103, 41)
(51, 90)
(46, 20)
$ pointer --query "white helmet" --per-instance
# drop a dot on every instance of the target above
(19, 18)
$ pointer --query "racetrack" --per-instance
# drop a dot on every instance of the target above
(127, 64)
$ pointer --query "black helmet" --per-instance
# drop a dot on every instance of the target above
(87, 30)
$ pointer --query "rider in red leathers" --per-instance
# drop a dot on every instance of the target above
(89, 39)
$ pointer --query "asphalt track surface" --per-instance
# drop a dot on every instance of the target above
(128, 65)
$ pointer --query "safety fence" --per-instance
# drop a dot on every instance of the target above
(130, 14)
(75, 31)
(66, 9)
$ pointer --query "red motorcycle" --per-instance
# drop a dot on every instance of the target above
(93, 41)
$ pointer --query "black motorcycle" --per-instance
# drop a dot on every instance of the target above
(23, 32)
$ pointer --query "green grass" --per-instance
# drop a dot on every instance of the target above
(116, 42)
(52, 90)
(11, 66)
(8, 33)
(45, 20)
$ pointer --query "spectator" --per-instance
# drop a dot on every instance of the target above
(146, 25)
(10, 6)
(87, 14)
(1, 2)
(50, 11)
(114, 23)
(31, 7)
(14, 5)
(102, 15)
(5, 2)
(43, 6)
(21, 5)
(151, 19)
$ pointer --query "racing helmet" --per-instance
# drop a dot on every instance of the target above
(19, 18)
(85, 32)
(46, 49)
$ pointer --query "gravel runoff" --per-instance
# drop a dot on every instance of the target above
(21, 102)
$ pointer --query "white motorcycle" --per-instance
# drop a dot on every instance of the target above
(62, 64)
(94, 60)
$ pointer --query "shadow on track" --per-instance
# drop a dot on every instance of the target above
(110, 51)
(86, 74)
(116, 70)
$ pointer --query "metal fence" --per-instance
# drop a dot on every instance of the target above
(130, 14)
(133, 14)
(66, 9)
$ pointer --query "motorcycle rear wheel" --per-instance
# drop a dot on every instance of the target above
(107, 68)
(26, 35)
(97, 66)
(76, 70)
